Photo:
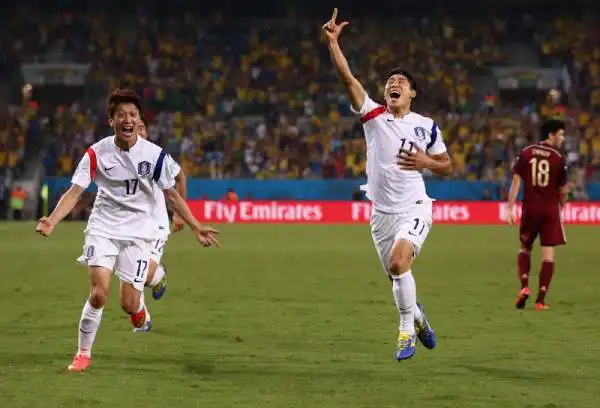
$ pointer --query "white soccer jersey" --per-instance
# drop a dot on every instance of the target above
(391, 189)
(126, 181)
(160, 213)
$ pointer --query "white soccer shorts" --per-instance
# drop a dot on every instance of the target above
(128, 258)
(158, 247)
(387, 229)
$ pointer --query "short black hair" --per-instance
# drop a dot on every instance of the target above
(551, 126)
(406, 74)
(121, 96)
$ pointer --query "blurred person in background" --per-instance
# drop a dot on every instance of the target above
(17, 202)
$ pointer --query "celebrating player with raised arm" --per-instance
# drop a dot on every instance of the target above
(157, 273)
(121, 228)
(400, 144)
(543, 170)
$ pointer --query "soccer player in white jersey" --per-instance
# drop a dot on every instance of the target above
(157, 272)
(120, 229)
(400, 144)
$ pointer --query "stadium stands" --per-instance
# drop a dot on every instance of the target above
(258, 98)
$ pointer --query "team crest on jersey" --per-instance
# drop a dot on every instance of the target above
(420, 132)
(144, 168)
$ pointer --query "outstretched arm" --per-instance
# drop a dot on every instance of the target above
(205, 235)
(166, 180)
(83, 176)
(65, 205)
(332, 31)
(180, 207)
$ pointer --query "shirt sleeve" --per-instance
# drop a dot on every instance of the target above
(436, 143)
(85, 171)
(368, 105)
(165, 171)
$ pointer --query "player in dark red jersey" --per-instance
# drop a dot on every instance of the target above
(543, 170)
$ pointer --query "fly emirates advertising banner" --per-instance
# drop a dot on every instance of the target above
(356, 212)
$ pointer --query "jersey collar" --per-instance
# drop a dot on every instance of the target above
(131, 149)
(390, 116)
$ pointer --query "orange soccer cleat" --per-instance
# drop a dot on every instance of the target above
(80, 363)
(541, 306)
(138, 319)
(522, 298)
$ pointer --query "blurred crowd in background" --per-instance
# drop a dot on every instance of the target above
(257, 98)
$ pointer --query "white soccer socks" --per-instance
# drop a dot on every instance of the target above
(405, 296)
(88, 327)
(158, 275)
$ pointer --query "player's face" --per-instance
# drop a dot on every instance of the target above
(141, 130)
(558, 138)
(124, 121)
(398, 92)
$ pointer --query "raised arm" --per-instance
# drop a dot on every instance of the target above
(356, 92)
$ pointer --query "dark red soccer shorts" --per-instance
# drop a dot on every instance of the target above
(548, 226)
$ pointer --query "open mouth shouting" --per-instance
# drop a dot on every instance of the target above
(127, 130)
(394, 95)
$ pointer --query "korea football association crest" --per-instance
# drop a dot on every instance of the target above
(144, 168)
(420, 133)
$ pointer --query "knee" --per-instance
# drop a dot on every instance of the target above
(525, 249)
(547, 254)
(98, 296)
(401, 258)
(399, 265)
(548, 257)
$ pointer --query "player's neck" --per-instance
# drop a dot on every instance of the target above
(549, 143)
(399, 112)
(125, 145)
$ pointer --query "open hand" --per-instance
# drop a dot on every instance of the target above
(511, 217)
(206, 236)
(332, 29)
(44, 227)
(413, 160)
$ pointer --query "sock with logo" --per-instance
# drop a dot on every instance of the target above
(405, 296)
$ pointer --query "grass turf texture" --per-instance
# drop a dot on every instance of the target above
(302, 316)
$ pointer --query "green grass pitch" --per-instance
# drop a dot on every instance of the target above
(302, 316)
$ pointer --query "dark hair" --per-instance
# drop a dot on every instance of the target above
(145, 121)
(551, 126)
(121, 96)
(406, 74)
